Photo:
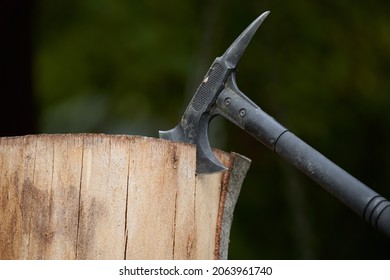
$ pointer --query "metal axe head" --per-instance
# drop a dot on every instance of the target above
(193, 127)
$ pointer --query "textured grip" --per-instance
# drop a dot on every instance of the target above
(211, 83)
(377, 213)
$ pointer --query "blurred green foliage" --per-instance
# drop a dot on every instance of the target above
(320, 68)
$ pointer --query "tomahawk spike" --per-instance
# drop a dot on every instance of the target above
(237, 48)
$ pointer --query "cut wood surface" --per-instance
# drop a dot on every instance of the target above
(97, 196)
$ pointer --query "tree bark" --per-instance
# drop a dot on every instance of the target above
(96, 196)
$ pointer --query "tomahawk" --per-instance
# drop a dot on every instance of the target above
(218, 94)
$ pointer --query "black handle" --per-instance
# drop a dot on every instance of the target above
(364, 201)
(235, 106)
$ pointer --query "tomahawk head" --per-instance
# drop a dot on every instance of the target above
(193, 127)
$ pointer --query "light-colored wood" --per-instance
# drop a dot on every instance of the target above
(96, 196)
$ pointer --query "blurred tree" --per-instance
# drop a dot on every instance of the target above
(320, 68)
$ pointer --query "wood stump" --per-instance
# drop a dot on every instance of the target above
(96, 196)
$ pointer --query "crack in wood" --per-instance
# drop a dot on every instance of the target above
(96, 196)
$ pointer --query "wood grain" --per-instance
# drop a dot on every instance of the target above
(96, 196)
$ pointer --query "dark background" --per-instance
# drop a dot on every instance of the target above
(321, 68)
